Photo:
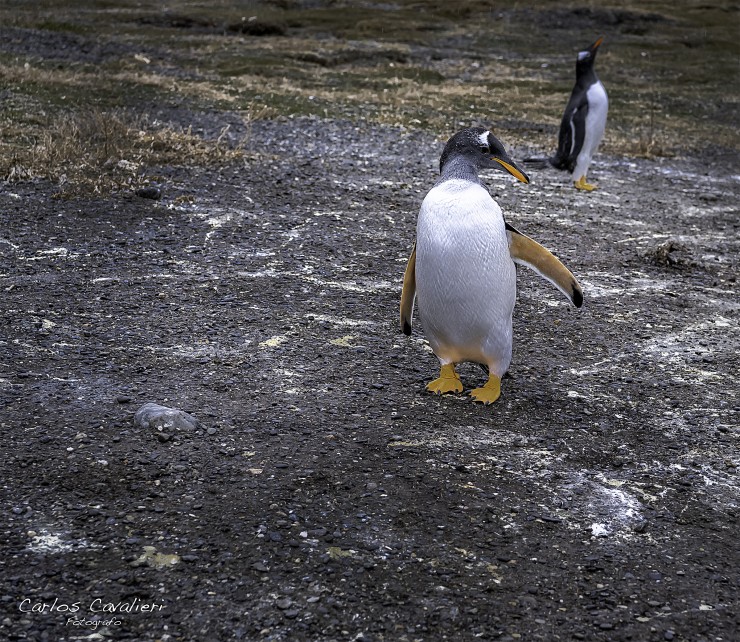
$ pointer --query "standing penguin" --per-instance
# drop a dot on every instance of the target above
(584, 120)
(461, 270)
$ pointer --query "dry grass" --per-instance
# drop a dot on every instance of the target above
(99, 152)
(96, 149)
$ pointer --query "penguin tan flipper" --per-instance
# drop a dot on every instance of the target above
(527, 252)
(408, 293)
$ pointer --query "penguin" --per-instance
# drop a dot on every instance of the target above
(461, 272)
(583, 122)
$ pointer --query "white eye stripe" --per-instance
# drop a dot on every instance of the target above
(483, 138)
(582, 55)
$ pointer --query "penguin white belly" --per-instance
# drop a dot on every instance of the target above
(598, 106)
(465, 276)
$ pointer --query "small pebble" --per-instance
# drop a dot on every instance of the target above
(150, 191)
(640, 526)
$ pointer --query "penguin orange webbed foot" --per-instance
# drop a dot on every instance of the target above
(489, 392)
(583, 185)
(448, 381)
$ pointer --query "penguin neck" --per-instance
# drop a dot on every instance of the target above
(587, 77)
(459, 168)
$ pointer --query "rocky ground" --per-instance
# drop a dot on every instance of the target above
(315, 491)
(324, 495)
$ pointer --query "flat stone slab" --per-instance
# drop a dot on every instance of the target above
(161, 418)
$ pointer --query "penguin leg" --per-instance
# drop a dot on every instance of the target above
(583, 185)
(448, 380)
(489, 392)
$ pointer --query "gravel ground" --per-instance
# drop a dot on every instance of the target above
(324, 495)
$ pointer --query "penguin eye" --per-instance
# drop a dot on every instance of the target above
(484, 149)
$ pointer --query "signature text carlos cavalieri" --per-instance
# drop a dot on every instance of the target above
(98, 613)
(95, 606)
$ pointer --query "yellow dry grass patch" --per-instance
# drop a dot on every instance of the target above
(103, 151)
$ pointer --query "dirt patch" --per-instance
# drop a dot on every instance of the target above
(598, 497)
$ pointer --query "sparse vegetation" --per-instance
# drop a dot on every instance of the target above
(103, 151)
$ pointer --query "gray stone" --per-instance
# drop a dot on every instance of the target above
(152, 416)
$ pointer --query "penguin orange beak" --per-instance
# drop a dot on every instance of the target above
(513, 170)
(596, 45)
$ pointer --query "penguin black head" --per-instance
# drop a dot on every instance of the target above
(482, 149)
(587, 57)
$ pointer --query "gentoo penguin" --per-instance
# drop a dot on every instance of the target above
(583, 121)
(461, 270)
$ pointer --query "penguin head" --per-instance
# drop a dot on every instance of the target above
(482, 149)
(587, 57)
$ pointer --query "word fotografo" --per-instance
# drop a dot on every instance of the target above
(96, 606)
(93, 623)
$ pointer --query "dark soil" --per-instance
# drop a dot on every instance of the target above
(325, 495)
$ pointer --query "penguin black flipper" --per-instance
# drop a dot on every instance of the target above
(572, 132)
(526, 251)
(571, 136)
(408, 293)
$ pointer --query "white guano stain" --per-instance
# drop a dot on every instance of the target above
(45, 541)
(350, 286)
(339, 320)
(611, 511)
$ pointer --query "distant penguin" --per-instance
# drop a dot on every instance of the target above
(584, 120)
(461, 270)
